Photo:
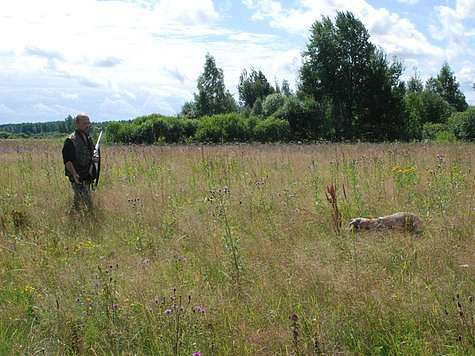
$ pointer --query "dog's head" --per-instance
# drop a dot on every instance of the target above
(356, 224)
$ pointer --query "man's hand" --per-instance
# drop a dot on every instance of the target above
(76, 178)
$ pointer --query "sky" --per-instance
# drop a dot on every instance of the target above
(120, 59)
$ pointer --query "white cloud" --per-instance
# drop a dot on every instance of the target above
(69, 96)
(6, 110)
(188, 12)
(410, 2)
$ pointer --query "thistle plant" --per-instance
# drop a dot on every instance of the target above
(295, 333)
(218, 198)
(463, 315)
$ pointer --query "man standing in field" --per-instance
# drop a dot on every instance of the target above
(78, 158)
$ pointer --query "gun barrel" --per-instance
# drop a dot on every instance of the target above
(96, 149)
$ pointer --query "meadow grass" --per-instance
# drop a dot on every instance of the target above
(234, 250)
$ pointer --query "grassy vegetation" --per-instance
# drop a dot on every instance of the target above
(235, 250)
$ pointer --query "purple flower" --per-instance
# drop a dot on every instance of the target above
(182, 308)
(116, 305)
(197, 353)
(78, 299)
(156, 300)
(203, 310)
(97, 283)
(168, 311)
(146, 260)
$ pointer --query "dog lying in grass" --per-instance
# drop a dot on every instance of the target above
(402, 221)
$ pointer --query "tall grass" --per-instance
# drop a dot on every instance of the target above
(233, 250)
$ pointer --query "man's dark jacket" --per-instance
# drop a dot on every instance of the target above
(80, 153)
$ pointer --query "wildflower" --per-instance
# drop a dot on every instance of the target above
(197, 353)
(293, 317)
(156, 300)
(203, 310)
(182, 308)
(296, 210)
(167, 311)
(78, 299)
(97, 283)
(116, 305)
(146, 260)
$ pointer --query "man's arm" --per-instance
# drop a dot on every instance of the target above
(70, 167)
(68, 157)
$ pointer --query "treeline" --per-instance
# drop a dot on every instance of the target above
(347, 90)
(52, 129)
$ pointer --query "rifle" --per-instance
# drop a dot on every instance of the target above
(97, 151)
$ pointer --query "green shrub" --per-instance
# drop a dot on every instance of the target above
(272, 103)
(462, 124)
(222, 128)
(272, 130)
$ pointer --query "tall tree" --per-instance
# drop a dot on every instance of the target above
(447, 87)
(212, 97)
(342, 67)
(415, 83)
(253, 86)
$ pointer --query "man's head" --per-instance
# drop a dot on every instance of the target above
(82, 122)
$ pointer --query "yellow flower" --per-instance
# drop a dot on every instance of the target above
(392, 170)
(29, 289)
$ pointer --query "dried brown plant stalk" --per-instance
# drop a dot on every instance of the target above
(336, 215)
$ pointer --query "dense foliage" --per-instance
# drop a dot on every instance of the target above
(347, 90)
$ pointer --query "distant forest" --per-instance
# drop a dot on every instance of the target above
(347, 90)
(53, 129)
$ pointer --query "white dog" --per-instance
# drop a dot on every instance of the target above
(401, 221)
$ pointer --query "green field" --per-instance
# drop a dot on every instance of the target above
(213, 248)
